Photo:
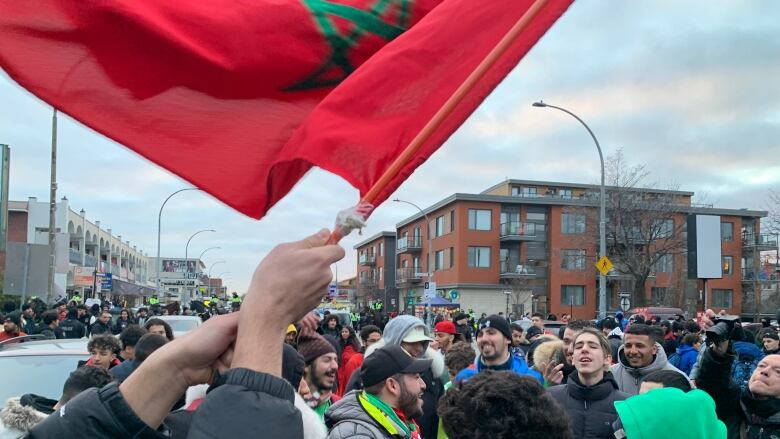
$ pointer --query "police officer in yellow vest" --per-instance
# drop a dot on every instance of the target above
(235, 301)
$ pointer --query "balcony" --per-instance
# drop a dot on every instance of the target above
(750, 275)
(367, 279)
(761, 242)
(516, 270)
(367, 260)
(409, 275)
(75, 256)
(90, 261)
(409, 244)
(517, 231)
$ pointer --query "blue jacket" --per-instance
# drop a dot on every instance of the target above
(518, 366)
(688, 356)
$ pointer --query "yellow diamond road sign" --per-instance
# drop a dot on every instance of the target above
(604, 265)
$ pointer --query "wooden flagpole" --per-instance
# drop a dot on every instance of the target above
(444, 112)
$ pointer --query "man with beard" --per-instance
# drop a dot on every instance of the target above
(12, 326)
(320, 372)
(391, 398)
(493, 340)
(102, 325)
(411, 334)
(589, 395)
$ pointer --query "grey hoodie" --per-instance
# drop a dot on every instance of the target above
(347, 419)
(628, 378)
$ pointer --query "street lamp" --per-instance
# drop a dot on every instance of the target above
(210, 268)
(602, 197)
(187, 247)
(430, 250)
(159, 226)
(219, 276)
(204, 251)
(186, 299)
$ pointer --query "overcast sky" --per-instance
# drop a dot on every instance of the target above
(690, 89)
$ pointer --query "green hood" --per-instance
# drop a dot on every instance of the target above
(670, 412)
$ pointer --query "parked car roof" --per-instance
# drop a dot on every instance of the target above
(39, 367)
(181, 324)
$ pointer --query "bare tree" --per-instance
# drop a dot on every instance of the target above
(522, 293)
(645, 228)
(773, 220)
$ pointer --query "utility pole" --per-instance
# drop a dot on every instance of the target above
(52, 208)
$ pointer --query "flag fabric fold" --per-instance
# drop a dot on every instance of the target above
(242, 98)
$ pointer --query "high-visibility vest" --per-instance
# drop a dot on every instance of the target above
(76, 298)
(154, 301)
(235, 299)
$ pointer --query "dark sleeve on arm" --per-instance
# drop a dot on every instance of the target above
(244, 401)
(715, 379)
(95, 413)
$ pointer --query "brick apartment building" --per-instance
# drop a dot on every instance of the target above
(532, 246)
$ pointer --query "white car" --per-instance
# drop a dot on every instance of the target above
(181, 324)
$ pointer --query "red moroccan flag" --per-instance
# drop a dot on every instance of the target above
(241, 98)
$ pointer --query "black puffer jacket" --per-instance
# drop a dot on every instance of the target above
(241, 401)
(591, 409)
(764, 415)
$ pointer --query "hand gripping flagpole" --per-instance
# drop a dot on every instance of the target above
(355, 217)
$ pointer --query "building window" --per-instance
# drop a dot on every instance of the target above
(480, 219)
(727, 232)
(479, 257)
(380, 274)
(529, 192)
(728, 265)
(572, 223)
(573, 259)
(658, 295)
(381, 249)
(438, 262)
(565, 193)
(452, 257)
(439, 226)
(573, 295)
(416, 262)
(452, 221)
(663, 228)
(722, 298)
(536, 216)
(664, 264)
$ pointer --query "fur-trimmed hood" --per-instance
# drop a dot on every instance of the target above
(437, 367)
(545, 351)
(17, 420)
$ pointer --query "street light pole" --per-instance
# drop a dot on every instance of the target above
(204, 251)
(186, 261)
(430, 248)
(210, 268)
(219, 276)
(159, 226)
(187, 247)
(602, 209)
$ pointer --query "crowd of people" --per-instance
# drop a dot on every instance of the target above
(254, 372)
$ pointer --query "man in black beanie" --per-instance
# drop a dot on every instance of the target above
(320, 372)
(462, 326)
(493, 340)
